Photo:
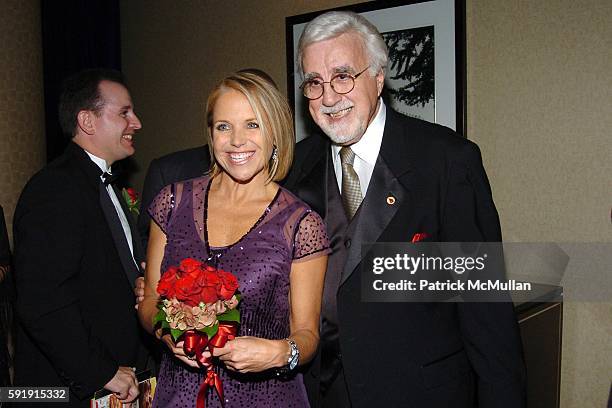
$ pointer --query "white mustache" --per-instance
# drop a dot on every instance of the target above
(336, 108)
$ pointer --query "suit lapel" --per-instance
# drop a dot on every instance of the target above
(139, 254)
(118, 235)
(387, 192)
(91, 173)
(391, 178)
(384, 197)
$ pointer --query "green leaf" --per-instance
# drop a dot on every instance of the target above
(176, 333)
(232, 315)
(165, 324)
(210, 331)
(239, 297)
(159, 317)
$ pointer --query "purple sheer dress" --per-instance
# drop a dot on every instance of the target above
(288, 231)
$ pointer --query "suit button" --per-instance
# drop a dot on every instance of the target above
(347, 243)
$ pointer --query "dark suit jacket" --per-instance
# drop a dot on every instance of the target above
(75, 303)
(168, 169)
(433, 350)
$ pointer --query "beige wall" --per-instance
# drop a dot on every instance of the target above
(539, 106)
(539, 100)
(175, 51)
(22, 138)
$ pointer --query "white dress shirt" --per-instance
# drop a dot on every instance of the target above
(366, 151)
(101, 163)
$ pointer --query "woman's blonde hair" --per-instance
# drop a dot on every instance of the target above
(273, 115)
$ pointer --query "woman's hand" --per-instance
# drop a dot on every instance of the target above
(253, 354)
(177, 349)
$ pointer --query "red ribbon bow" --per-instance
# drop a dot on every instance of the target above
(195, 344)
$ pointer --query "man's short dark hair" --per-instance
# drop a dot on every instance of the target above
(81, 92)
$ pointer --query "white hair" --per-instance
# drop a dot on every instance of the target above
(335, 23)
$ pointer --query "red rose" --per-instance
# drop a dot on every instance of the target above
(132, 193)
(207, 278)
(209, 284)
(190, 266)
(187, 290)
(229, 284)
(165, 287)
(208, 294)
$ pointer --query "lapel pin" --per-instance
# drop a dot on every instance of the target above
(390, 200)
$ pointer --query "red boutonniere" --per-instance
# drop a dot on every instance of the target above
(419, 236)
(131, 199)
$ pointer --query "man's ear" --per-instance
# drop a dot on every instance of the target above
(85, 122)
(380, 80)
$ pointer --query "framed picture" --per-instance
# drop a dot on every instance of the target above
(425, 76)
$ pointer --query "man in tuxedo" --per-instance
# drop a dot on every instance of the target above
(376, 177)
(77, 253)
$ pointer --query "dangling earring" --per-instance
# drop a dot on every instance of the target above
(274, 153)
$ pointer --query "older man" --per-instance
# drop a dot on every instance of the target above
(381, 177)
(77, 253)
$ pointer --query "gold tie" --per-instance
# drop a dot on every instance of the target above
(351, 189)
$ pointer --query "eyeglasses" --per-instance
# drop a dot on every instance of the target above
(342, 83)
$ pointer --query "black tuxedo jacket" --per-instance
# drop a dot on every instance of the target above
(436, 354)
(75, 302)
(168, 169)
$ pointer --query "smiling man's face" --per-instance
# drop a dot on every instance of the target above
(344, 118)
(115, 125)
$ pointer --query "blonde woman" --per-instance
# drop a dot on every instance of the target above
(239, 219)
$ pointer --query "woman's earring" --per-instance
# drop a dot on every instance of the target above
(274, 153)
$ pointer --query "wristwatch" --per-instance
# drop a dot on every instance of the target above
(292, 361)
(294, 357)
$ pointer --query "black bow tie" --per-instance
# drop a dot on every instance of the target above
(108, 178)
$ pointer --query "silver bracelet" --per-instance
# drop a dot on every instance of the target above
(292, 361)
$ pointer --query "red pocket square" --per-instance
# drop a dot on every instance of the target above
(419, 236)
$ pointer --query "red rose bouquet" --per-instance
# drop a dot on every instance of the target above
(198, 305)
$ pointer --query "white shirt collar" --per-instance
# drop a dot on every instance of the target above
(101, 163)
(125, 225)
(368, 147)
(366, 151)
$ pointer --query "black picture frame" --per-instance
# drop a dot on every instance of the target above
(448, 20)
